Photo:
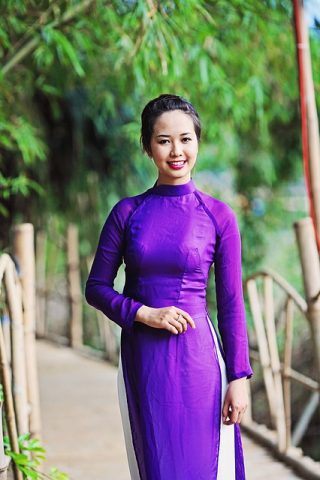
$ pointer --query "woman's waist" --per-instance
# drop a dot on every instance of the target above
(167, 293)
(196, 307)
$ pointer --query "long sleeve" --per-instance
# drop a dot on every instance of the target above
(99, 291)
(230, 303)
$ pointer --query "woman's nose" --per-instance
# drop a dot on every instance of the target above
(176, 150)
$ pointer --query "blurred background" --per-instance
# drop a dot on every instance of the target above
(76, 76)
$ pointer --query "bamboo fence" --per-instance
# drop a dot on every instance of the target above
(18, 369)
(278, 374)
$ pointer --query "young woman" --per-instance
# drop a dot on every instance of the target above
(182, 392)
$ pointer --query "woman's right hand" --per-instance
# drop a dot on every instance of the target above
(170, 318)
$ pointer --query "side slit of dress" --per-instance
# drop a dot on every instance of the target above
(226, 461)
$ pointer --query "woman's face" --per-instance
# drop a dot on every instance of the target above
(174, 147)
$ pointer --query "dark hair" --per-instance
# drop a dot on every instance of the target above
(165, 103)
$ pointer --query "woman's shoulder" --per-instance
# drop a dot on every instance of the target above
(219, 210)
(124, 207)
(215, 202)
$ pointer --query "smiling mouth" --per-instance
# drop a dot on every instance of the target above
(177, 163)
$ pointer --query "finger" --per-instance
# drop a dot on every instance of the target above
(241, 414)
(171, 328)
(229, 415)
(228, 422)
(187, 317)
(183, 322)
(225, 411)
(234, 414)
(177, 324)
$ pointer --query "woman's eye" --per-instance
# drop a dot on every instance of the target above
(165, 140)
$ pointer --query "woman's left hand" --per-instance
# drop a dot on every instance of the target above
(236, 400)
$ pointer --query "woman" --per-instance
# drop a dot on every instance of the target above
(182, 393)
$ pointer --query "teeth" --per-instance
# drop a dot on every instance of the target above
(177, 163)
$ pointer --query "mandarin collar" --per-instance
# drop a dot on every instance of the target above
(173, 190)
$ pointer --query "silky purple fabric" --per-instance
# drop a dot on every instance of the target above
(169, 237)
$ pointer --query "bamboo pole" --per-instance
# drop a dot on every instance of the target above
(286, 368)
(263, 347)
(8, 404)
(41, 244)
(4, 261)
(6, 331)
(275, 361)
(309, 259)
(74, 283)
(23, 241)
(13, 290)
(305, 419)
(52, 255)
(311, 277)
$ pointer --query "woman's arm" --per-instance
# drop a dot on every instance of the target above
(232, 320)
(230, 303)
(99, 291)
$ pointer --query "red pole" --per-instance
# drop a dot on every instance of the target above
(300, 45)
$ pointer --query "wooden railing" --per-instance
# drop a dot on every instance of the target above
(18, 369)
(274, 303)
(71, 297)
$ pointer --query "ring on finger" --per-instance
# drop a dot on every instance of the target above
(178, 319)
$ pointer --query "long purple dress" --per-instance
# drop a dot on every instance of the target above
(171, 387)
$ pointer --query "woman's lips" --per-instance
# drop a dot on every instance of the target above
(177, 164)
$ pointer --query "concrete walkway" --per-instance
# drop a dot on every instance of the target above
(81, 421)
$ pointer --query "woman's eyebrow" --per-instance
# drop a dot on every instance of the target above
(163, 135)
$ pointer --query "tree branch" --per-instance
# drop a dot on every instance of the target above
(39, 22)
(33, 43)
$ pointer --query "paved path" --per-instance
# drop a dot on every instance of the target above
(81, 421)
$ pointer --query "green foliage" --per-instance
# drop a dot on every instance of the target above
(26, 464)
(19, 184)
(31, 456)
(75, 76)
(22, 135)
